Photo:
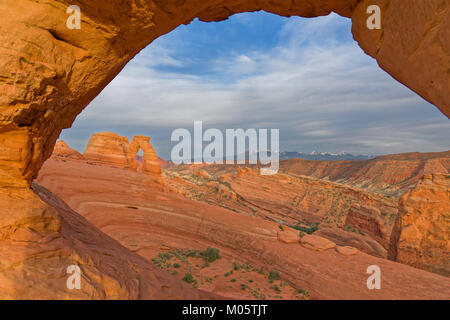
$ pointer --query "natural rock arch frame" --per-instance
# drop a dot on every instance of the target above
(49, 74)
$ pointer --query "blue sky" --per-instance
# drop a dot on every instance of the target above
(306, 77)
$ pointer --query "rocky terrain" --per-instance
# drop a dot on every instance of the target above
(304, 203)
(49, 74)
(39, 244)
(389, 175)
(350, 202)
(421, 234)
(230, 252)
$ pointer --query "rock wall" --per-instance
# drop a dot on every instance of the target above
(62, 150)
(421, 233)
(368, 219)
(109, 148)
(49, 73)
(115, 150)
(390, 175)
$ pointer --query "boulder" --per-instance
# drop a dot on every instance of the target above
(347, 251)
(288, 235)
(316, 243)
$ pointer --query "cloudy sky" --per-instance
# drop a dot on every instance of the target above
(306, 77)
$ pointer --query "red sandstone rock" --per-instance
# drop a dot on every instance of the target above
(288, 235)
(167, 218)
(110, 149)
(364, 243)
(316, 243)
(40, 237)
(391, 174)
(114, 150)
(62, 150)
(421, 234)
(368, 219)
(202, 173)
(347, 251)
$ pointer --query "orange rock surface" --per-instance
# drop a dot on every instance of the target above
(40, 237)
(347, 251)
(62, 150)
(421, 234)
(145, 220)
(50, 73)
(115, 150)
(391, 175)
(317, 243)
(288, 235)
(110, 149)
(302, 202)
(368, 219)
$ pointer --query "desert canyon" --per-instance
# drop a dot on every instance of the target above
(312, 229)
(137, 226)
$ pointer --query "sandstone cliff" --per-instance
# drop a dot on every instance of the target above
(368, 219)
(421, 233)
(110, 149)
(391, 175)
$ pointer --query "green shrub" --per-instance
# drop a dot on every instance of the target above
(274, 275)
(210, 254)
(176, 265)
(309, 230)
(276, 288)
(303, 292)
(189, 278)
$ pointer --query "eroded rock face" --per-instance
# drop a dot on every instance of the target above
(50, 73)
(368, 219)
(40, 237)
(62, 150)
(151, 161)
(389, 174)
(421, 234)
(112, 149)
